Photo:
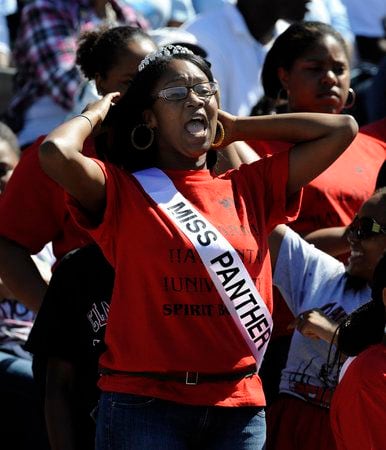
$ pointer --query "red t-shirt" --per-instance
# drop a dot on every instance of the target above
(358, 408)
(33, 210)
(165, 313)
(334, 197)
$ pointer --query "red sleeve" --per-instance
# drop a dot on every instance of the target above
(101, 232)
(31, 207)
(267, 181)
(33, 210)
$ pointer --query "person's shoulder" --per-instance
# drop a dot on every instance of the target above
(82, 271)
(370, 365)
(292, 240)
(78, 257)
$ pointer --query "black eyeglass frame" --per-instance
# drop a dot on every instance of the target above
(213, 86)
(365, 227)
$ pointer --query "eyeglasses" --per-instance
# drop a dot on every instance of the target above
(365, 227)
(176, 93)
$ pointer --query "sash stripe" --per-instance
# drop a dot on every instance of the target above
(220, 259)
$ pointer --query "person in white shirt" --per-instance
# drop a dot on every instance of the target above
(236, 39)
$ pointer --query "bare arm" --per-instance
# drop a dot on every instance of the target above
(319, 139)
(235, 154)
(274, 241)
(331, 240)
(316, 325)
(245, 152)
(61, 158)
(227, 158)
(20, 274)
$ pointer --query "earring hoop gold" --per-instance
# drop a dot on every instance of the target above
(221, 132)
(134, 136)
(351, 93)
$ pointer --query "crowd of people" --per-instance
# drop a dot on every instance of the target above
(192, 225)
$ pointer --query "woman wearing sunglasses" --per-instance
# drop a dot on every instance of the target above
(320, 291)
(187, 324)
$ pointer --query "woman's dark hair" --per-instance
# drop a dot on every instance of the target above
(100, 49)
(128, 112)
(365, 326)
(291, 45)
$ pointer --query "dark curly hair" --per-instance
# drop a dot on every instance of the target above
(291, 45)
(365, 326)
(128, 112)
(100, 49)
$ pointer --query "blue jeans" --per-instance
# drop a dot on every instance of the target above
(132, 422)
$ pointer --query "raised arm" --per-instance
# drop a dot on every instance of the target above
(319, 139)
(274, 242)
(232, 156)
(331, 240)
(61, 157)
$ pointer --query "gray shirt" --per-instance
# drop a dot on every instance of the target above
(309, 278)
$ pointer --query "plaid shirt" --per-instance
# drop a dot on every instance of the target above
(45, 50)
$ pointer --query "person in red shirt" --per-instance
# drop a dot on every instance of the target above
(175, 358)
(358, 405)
(359, 399)
(307, 69)
(32, 210)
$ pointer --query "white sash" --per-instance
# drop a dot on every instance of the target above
(220, 259)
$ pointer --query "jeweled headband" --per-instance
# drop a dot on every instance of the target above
(167, 50)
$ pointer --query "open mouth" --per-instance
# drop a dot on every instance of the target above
(197, 126)
(354, 256)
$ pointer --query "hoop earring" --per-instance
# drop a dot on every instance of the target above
(135, 132)
(351, 93)
(219, 130)
(280, 97)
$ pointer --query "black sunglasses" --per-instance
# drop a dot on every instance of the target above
(365, 227)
